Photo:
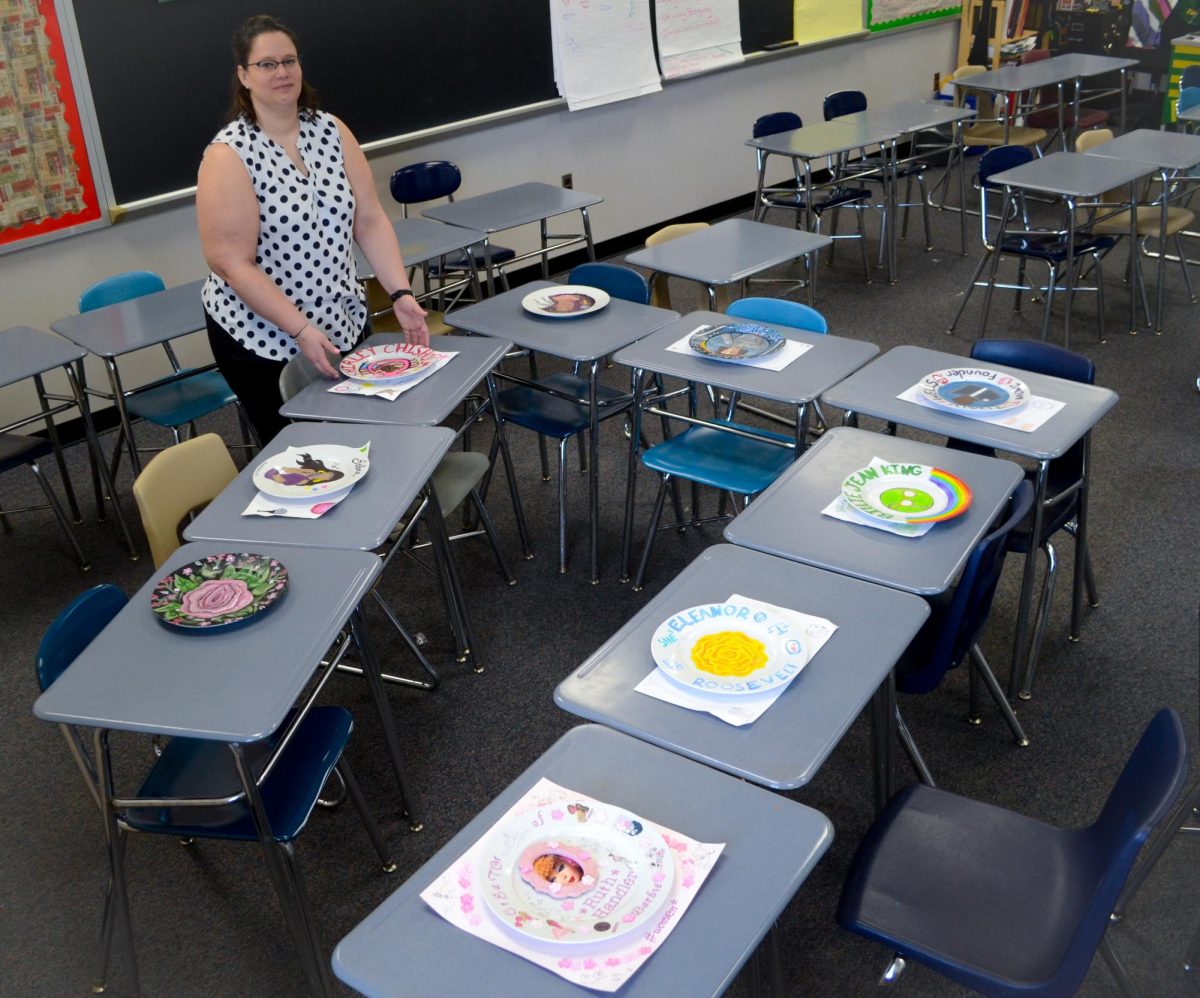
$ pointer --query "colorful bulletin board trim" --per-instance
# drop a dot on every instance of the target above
(883, 15)
(46, 182)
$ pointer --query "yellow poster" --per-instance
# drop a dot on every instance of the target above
(818, 20)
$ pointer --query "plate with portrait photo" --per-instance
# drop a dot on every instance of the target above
(565, 301)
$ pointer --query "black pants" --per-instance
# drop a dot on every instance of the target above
(254, 379)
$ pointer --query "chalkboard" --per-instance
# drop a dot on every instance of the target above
(160, 71)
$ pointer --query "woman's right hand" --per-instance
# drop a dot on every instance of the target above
(315, 345)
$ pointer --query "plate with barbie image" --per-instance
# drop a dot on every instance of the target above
(316, 470)
(573, 875)
(565, 301)
(388, 362)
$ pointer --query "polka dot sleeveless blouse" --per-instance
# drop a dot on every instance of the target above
(305, 239)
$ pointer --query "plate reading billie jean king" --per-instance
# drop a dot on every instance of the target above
(219, 593)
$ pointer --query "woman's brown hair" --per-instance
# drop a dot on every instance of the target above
(243, 40)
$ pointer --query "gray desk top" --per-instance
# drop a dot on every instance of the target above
(830, 359)
(140, 322)
(402, 459)
(28, 351)
(785, 747)
(403, 944)
(825, 138)
(1073, 174)
(729, 251)
(427, 404)
(786, 519)
(422, 240)
(511, 206)
(234, 686)
(1047, 72)
(910, 115)
(1169, 150)
(872, 391)
(582, 337)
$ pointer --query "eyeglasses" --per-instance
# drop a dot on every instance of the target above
(270, 65)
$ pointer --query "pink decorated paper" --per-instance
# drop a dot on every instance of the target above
(603, 965)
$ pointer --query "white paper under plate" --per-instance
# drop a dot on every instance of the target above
(303, 472)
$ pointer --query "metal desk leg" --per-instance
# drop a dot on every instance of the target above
(883, 733)
(114, 379)
(1025, 602)
(890, 169)
(52, 432)
(358, 627)
(995, 251)
(594, 471)
(1082, 554)
(456, 602)
(1162, 256)
(509, 474)
(1135, 271)
(631, 468)
(587, 234)
(1071, 265)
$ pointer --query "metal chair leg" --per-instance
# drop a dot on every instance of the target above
(911, 750)
(60, 515)
(979, 663)
(364, 812)
(1039, 622)
(655, 515)
(562, 505)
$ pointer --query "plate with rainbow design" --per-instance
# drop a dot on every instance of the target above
(899, 492)
(730, 648)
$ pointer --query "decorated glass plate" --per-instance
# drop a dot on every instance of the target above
(736, 341)
(906, 493)
(316, 470)
(728, 648)
(575, 874)
(565, 301)
(387, 362)
(975, 389)
(219, 593)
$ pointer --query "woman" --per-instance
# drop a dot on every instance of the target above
(283, 193)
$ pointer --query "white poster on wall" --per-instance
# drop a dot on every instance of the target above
(695, 36)
(603, 51)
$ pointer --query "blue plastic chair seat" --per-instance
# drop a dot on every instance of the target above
(500, 255)
(200, 768)
(17, 449)
(180, 402)
(542, 413)
(722, 460)
(1052, 248)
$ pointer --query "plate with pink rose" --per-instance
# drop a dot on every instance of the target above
(219, 593)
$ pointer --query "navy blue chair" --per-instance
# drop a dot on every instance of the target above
(953, 630)
(193, 789)
(1066, 476)
(560, 419)
(430, 181)
(17, 449)
(193, 393)
(795, 199)
(1046, 247)
(1004, 904)
(844, 102)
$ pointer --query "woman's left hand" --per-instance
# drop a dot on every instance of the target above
(412, 320)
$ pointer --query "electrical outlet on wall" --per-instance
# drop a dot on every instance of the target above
(568, 181)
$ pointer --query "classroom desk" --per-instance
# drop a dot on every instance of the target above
(729, 252)
(521, 204)
(421, 242)
(828, 361)
(30, 353)
(786, 519)
(404, 945)
(872, 391)
(1057, 71)
(784, 748)
(428, 404)
(584, 339)
(1073, 177)
(115, 330)
(233, 686)
(908, 118)
(1172, 153)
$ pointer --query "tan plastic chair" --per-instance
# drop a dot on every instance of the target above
(177, 481)
(988, 129)
(1149, 216)
(660, 295)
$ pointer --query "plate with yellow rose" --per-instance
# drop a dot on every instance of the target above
(730, 649)
(219, 593)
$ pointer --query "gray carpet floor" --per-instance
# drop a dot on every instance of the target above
(205, 918)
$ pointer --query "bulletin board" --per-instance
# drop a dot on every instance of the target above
(883, 15)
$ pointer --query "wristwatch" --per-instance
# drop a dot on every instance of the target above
(397, 295)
